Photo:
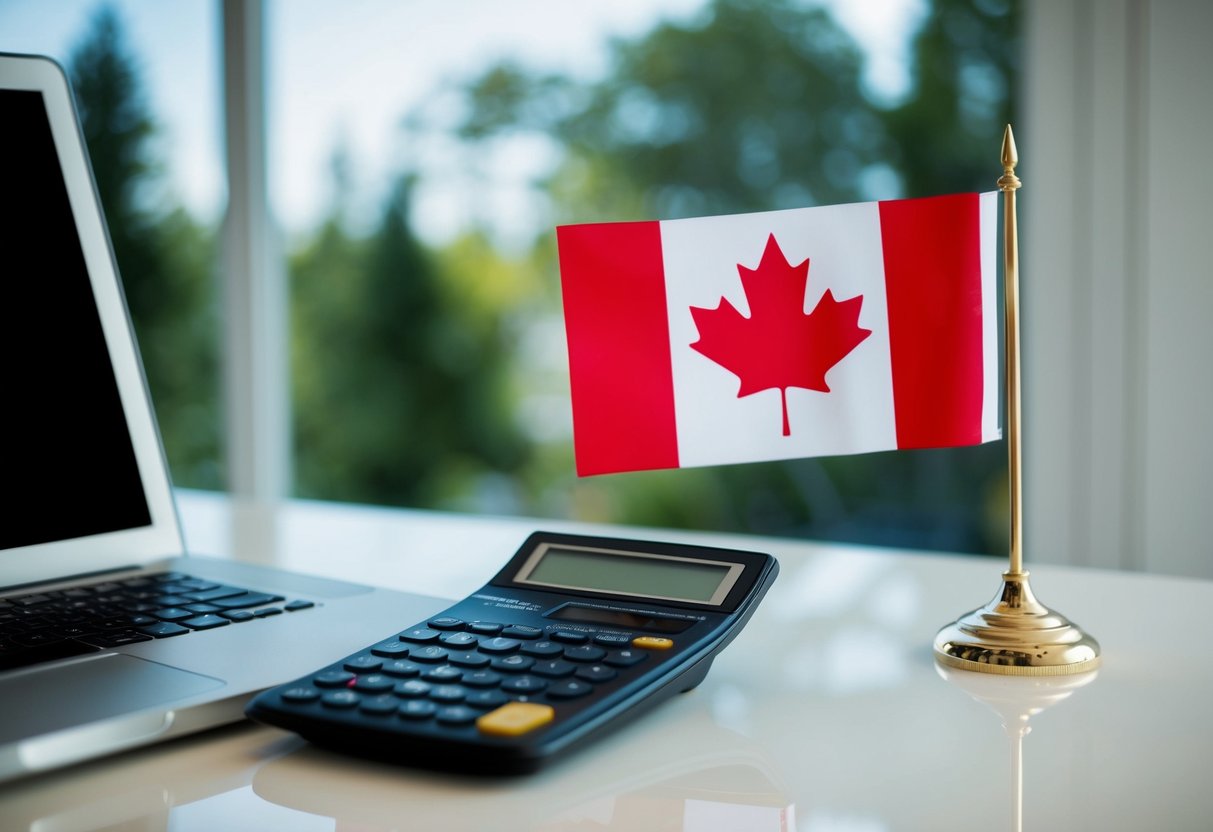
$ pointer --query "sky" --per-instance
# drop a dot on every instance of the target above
(344, 74)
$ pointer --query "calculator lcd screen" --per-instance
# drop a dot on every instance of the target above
(637, 574)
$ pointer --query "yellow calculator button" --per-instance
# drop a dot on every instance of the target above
(652, 643)
(515, 718)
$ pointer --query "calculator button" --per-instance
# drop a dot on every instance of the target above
(553, 669)
(499, 645)
(484, 628)
(543, 649)
(402, 669)
(512, 664)
(482, 679)
(468, 660)
(419, 635)
(522, 631)
(363, 664)
(652, 643)
(584, 653)
(429, 654)
(570, 637)
(457, 715)
(413, 687)
(300, 695)
(459, 639)
(569, 689)
(374, 683)
(379, 705)
(418, 709)
(523, 684)
(442, 673)
(515, 718)
(596, 673)
(340, 699)
(333, 679)
(446, 623)
(448, 694)
(625, 658)
(486, 699)
(613, 639)
(391, 649)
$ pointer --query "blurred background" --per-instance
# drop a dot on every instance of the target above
(399, 168)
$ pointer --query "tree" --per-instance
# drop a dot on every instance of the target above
(164, 257)
(399, 391)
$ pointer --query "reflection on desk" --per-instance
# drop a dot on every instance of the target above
(1016, 699)
(827, 714)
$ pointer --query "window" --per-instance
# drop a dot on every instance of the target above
(419, 155)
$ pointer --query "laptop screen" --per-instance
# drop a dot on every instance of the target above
(66, 457)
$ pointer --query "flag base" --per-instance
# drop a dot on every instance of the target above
(1016, 635)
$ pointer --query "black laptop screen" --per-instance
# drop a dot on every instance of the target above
(66, 460)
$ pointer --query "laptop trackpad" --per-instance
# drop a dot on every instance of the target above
(43, 700)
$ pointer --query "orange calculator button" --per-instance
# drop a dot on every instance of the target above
(652, 643)
(515, 718)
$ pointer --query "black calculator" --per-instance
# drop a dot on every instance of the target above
(573, 637)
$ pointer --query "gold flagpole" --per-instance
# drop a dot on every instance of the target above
(1014, 634)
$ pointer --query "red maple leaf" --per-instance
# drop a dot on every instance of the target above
(778, 345)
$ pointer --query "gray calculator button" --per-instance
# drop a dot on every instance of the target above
(413, 687)
(523, 684)
(340, 699)
(431, 653)
(418, 709)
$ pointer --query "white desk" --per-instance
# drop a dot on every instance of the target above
(826, 715)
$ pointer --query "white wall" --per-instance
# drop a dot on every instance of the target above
(1117, 284)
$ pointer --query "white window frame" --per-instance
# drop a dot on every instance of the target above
(255, 299)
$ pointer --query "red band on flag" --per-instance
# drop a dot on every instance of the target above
(932, 258)
(619, 347)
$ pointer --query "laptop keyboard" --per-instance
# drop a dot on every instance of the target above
(44, 626)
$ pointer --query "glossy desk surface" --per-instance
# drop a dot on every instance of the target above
(827, 714)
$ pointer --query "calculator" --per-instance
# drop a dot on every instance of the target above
(575, 636)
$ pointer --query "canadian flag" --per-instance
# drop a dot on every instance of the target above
(808, 332)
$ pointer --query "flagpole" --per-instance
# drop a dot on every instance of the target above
(1009, 183)
(1014, 634)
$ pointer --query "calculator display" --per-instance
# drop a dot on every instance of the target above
(638, 574)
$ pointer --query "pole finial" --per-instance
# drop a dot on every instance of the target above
(1010, 158)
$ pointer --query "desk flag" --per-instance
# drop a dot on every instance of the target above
(808, 332)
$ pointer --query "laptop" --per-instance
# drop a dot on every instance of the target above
(110, 636)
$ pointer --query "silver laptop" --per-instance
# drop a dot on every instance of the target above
(109, 637)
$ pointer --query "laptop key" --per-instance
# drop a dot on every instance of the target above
(247, 599)
(216, 593)
(205, 622)
(119, 639)
(173, 614)
(164, 629)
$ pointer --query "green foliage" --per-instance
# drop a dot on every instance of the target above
(966, 62)
(164, 256)
(756, 107)
(400, 383)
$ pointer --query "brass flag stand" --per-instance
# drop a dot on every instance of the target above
(1014, 634)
